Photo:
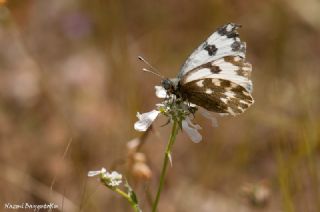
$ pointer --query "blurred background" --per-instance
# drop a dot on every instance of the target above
(71, 85)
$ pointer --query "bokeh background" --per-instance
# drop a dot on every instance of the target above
(70, 87)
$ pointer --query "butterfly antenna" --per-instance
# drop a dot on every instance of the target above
(153, 69)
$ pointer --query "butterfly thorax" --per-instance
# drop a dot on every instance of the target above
(176, 96)
(171, 86)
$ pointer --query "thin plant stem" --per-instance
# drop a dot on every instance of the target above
(167, 157)
(134, 206)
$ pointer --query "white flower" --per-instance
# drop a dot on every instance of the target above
(115, 179)
(174, 109)
(160, 92)
(192, 130)
(208, 115)
(145, 120)
(112, 179)
(95, 173)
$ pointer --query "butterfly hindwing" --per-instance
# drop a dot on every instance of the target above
(224, 42)
(217, 95)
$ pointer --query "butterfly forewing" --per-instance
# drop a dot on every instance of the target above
(224, 42)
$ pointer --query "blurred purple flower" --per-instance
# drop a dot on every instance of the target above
(77, 25)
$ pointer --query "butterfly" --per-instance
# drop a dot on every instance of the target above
(216, 76)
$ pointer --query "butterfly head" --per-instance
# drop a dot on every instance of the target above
(167, 84)
(170, 85)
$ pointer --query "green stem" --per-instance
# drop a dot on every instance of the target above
(134, 206)
(167, 157)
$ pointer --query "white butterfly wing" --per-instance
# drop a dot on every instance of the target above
(224, 42)
(232, 68)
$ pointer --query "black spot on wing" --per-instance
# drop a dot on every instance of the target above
(233, 34)
(213, 68)
(229, 30)
(235, 46)
(238, 46)
(211, 49)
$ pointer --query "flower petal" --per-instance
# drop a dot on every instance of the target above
(209, 116)
(196, 126)
(114, 179)
(192, 130)
(160, 92)
(95, 173)
(115, 175)
(145, 120)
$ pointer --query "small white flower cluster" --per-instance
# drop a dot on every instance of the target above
(112, 179)
(176, 110)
